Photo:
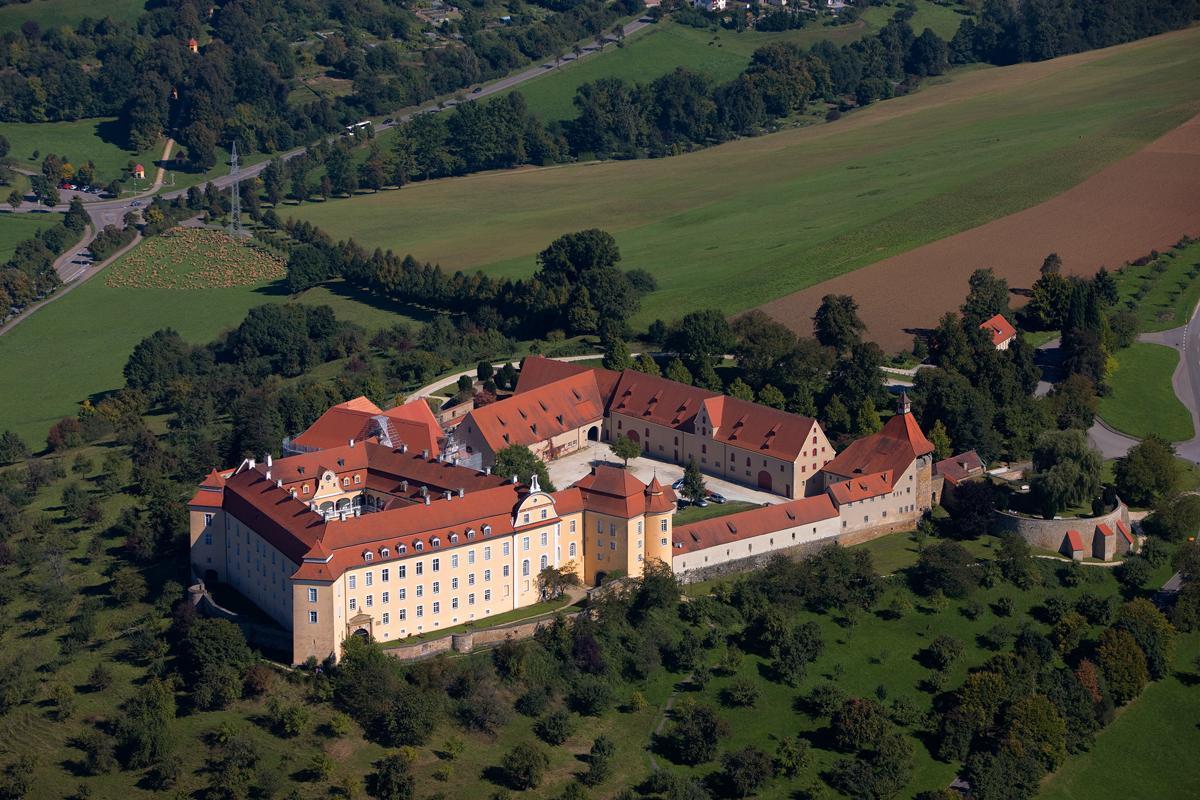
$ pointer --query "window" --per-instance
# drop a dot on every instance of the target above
(454, 602)
(525, 518)
(418, 546)
(345, 481)
(401, 549)
(612, 529)
(358, 478)
(351, 582)
(504, 549)
(453, 561)
(571, 550)
(312, 617)
(401, 571)
(639, 528)
(662, 542)
(383, 575)
(525, 568)
(208, 537)
(420, 567)
(312, 595)
(487, 594)
(370, 600)
(420, 589)
(470, 556)
(437, 608)
(487, 575)
(420, 611)
(525, 543)
(454, 583)
(435, 542)
(454, 538)
(599, 526)
(572, 528)
(208, 518)
(437, 587)
(471, 599)
(306, 489)
(505, 571)
(544, 539)
(353, 604)
(367, 556)
(612, 545)
(386, 618)
(402, 593)
(437, 564)
(370, 578)
(545, 561)
(386, 598)
(403, 614)
(543, 513)
(662, 524)
(487, 530)
(487, 554)
(384, 553)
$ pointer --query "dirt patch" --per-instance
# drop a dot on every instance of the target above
(1146, 201)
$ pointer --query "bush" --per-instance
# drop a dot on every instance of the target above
(524, 766)
(741, 693)
(555, 728)
(590, 696)
(824, 699)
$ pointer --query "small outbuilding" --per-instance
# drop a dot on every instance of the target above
(1001, 331)
(139, 172)
(1104, 543)
(1072, 546)
(193, 45)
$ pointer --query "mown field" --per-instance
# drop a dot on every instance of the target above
(53, 13)
(75, 347)
(100, 140)
(15, 228)
(1142, 400)
(734, 226)
(942, 17)
(1163, 292)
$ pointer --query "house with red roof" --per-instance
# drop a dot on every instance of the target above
(1072, 546)
(411, 424)
(1001, 331)
(883, 482)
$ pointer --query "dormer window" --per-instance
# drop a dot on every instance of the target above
(454, 538)
(418, 546)
(299, 470)
(401, 549)
(384, 553)
(487, 530)
(368, 555)
(435, 542)
(470, 534)
(307, 489)
(358, 478)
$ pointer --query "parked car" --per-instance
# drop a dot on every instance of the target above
(389, 121)
(135, 204)
(677, 485)
(701, 502)
(719, 499)
(477, 90)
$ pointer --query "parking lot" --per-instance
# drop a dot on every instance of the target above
(568, 469)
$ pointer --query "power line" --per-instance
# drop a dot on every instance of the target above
(235, 197)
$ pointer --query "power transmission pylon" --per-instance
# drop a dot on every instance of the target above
(235, 195)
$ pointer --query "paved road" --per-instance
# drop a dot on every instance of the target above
(1186, 380)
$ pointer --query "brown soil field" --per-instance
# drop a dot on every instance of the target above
(1143, 202)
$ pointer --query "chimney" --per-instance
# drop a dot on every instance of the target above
(461, 491)
(279, 483)
(426, 499)
(447, 494)
(251, 462)
(424, 491)
(487, 470)
(513, 479)
(268, 473)
(352, 443)
(403, 448)
(269, 459)
(404, 486)
(424, 454)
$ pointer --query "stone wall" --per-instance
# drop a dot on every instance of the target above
(467, 641)
(263, 636)
(1048, 534)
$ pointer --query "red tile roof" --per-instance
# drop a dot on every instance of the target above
(754, 522)
(411, 423)
(658, 400)
(1000, 329)
(759, 428)
(861, 487)
(287, 524)
(1076, 541)
(537, 371)
(1104, 530)
(1124, 530)
(892, 449)
(613, 490)
(959, 468)
(538, 414)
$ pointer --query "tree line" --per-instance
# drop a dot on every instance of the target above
(29, 276)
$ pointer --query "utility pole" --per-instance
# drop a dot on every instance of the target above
(235, 195)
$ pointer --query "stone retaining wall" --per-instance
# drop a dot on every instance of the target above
(1048, 534)
(467, 641)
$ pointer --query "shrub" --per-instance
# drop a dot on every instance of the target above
(555, 728)
(741, 693)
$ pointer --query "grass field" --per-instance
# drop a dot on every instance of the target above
(1164, 292)
(15, 228)
(734, 226)
(1142, 400)
(101, 140)
(692, 513)
(53, 13)
(195, 258)
(943, 19)
(75, 347)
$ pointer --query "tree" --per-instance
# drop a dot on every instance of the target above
(794, 650)
(616, 355)
(142, 731)
(600, 761)
(555, 728)
(1148, 472)
(836, 323)
(1002, 775)
(772, 397)
(695, 733)
(792, 756)
(1123, 664)
(1034, 726)
(1051, 265)
(215, 655)
(646, 363)
(746, 770)
(625, 448)
(859, 724)
(553, 582)
(940, 439)
(700, 337)
(525, 765)
(741, 390)
(761, 346)
(971, 505)
(1152, 632)
(676, 371)
(988, 296)
(1175, 518)
(1066, 471)
(518, 461)
(565, 261)
(693, 482)
(12, 448)
(945, 567)
(392, 779)
(942, 652)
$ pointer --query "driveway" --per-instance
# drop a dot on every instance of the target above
(565, 471)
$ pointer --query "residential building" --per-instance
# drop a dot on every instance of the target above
(411, 424)
(1001, 331)
(711, 6)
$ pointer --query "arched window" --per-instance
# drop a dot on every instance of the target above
(545, 561)
(525, 568)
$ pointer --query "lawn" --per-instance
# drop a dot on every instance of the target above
(101, 140)
(1164, 292)
(943, 19)
(1142, 400)
(695, 513)
(53, 13)
(658, 49)
(733, 226)
(75, 347)
(15, 228)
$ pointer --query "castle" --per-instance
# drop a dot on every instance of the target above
(374, 537)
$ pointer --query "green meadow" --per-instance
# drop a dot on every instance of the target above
(100, 140)
(737, 225)
(1142, 400)
(1164, 292)
(54, 13)
(15, 228)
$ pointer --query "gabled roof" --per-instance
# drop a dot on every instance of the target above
(538, 414)
(960, 467)
(1104, 530)
(613, 490)
(754, 522)
(861, 487)
(1075, 541)
(1123, 529)
(658, 400)
(1000, 329)
(758, 428)
(286, 523)
(892, 449)
(537, 371)
(411, 423)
